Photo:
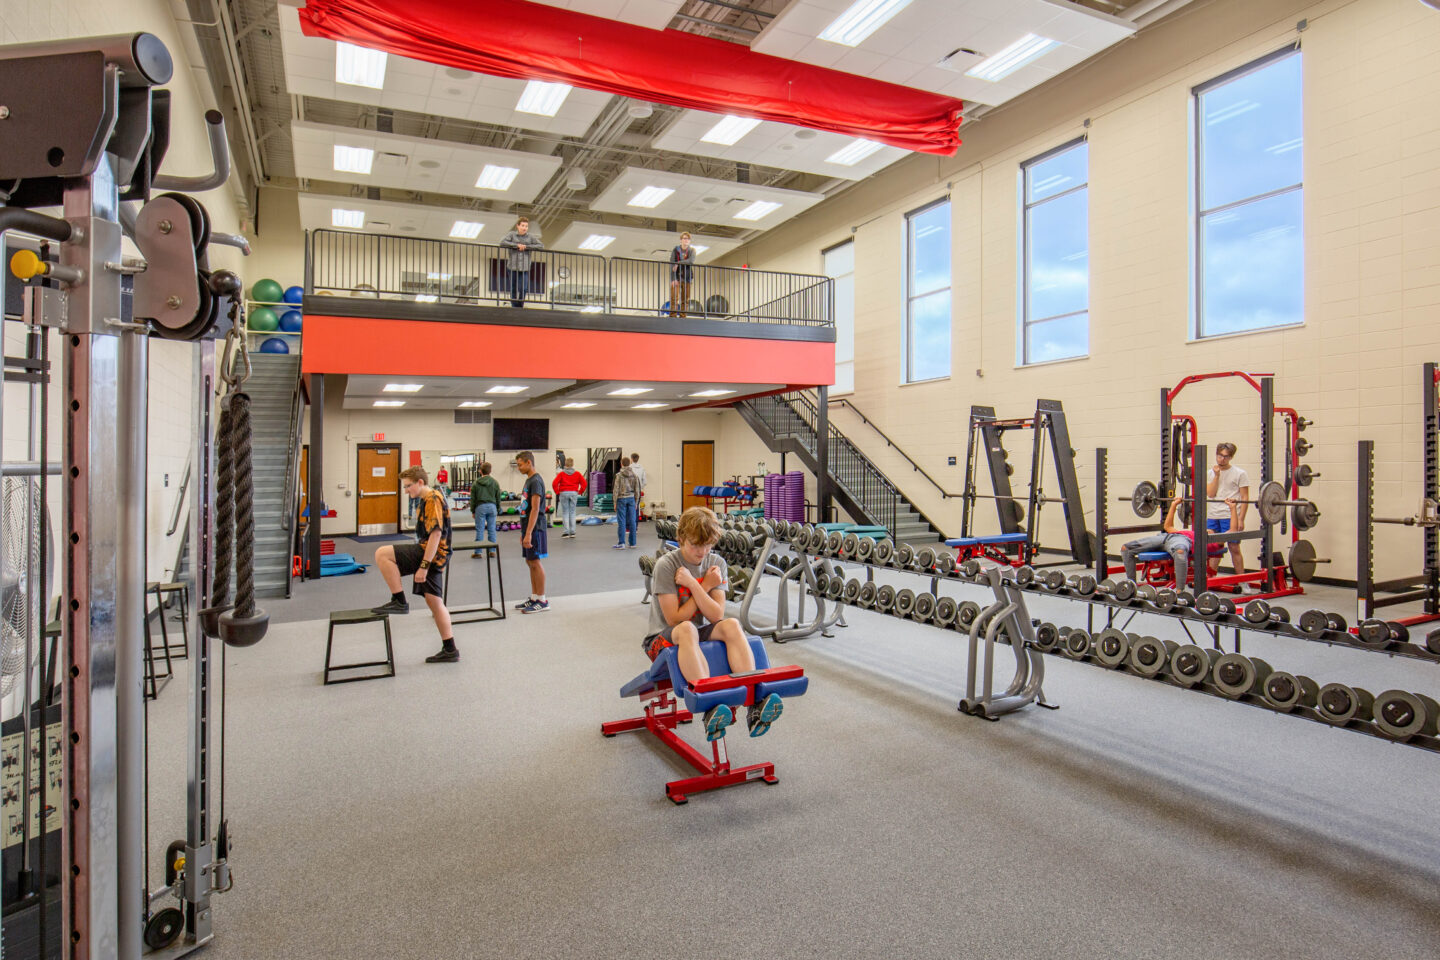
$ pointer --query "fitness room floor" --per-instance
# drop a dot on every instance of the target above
(474, 810)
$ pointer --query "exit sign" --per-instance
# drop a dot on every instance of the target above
(378, 437)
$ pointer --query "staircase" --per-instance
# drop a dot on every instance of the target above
(275, 421)
(787, 425)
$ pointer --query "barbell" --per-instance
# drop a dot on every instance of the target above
(1270, 504)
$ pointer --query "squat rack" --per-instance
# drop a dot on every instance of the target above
(987, 431)
(1425, 585)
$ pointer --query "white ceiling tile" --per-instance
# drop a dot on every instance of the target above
(700, 199)
(773, 144)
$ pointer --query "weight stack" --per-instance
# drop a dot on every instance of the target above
(794, 495)
(597, 486)
(772, 498)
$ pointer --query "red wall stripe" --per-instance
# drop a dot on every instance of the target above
(428, 348)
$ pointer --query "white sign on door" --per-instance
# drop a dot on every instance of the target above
(377, 471)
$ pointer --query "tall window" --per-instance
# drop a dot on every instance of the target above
(927, 292)
(1249, 268)
(1055, 315)
(840, 267)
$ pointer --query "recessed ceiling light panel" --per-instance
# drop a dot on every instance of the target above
(352, 219)
(730, 130)
(543, 98)
(596, 241)
(1012, 58)
(403, 387)
(758, 210)
(862, 18)
(631, 391)
(360, 66)
(650, 197)
(495, 177)
(466, 229)
(712, 393)
(353, 159)
(504, 388)
(388, 403)
(853, 152)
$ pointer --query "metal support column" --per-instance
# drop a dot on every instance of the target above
(1199, 505)
(314, 483)
(822, 454)
(1365, 532)
(1431, 478)
(1267, 473)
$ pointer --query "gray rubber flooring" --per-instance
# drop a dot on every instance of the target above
(474, 810)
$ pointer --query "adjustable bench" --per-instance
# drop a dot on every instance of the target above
(1156, 568)
(663, 686)
(993, 547)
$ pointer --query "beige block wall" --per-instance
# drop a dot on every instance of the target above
(278, 241)
(188, 155)
(1372, 286)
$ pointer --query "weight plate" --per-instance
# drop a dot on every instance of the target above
(835, 588)
(947, 564)
(1207, 605)
(1233, 675)
(924, 610)
(822, 583)
(1111, 648)
(1025, 575)
(1147, 592)
(1189, 664)
(1339, 704)
(925, 558)
(1053, 580)
(1047, 637)
(966, 613)
(1304, 475)
(1302, 447)
(866, 600)
(852, 590)
(833, 542)
(1123, 590)
(1146, 499)
(1271, 502)
(816, 541)
(1401, 715)
(163, 928)
(1165, 599)
(1148, 657)
(884, 552)
(885, 598)
(849, 546)
(1305, 515)
(1313, 623)
(1075, 645)
(1083, 584)
(1257, 612)
(1338, 624)
(946, 610)
(1282, 691)
(865, 549)
(904, 554)
(904, 602)
(1432, 641)
(1017, 511)
(970, 569)
(1374, 632)
(799, 539)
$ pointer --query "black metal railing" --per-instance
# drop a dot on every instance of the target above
(794, 416)
(341, 263)
(944, 494)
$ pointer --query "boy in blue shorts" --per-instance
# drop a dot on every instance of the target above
(1226, 483)
(533, 536)
(689, 588)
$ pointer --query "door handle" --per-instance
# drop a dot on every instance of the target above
(364, 494)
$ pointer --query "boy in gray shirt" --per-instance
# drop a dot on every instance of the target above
(688, 584)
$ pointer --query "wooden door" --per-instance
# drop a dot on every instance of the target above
(697, 458)
(378, 487)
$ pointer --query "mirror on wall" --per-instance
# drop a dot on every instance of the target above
(452, 472)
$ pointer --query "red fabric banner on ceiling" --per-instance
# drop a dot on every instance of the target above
(516, 38)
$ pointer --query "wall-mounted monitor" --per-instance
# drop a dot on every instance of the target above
(516, 433)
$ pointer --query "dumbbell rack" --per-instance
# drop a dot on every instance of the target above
(1242, 692)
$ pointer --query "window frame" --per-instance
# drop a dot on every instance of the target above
(1026, 322)
(831, 249)
(1197, 194)
(910, 295)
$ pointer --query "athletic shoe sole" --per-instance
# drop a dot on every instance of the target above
(720, 717)
(387, 608)
(770, 711)
(535, 608)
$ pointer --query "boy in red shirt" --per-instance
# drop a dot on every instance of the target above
(569, 484)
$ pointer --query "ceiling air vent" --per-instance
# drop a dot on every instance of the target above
(958, 61)
(472, 416)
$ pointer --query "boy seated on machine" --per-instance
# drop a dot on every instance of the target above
(688, 584)
(1176, 540)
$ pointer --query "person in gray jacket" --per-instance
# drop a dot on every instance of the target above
(520, 242)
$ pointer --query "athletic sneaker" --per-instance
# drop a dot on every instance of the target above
(717, 718)
(632, 546)
(523, 603)
(618, 546)
(535, 606)
(392, 606)
(760, 715)
(444, 656)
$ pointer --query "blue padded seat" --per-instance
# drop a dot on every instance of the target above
(1149, 556)
(978, 541)
(666, 667)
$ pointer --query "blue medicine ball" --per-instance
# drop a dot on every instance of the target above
(291, 321)
(275, 345)
(294, 294)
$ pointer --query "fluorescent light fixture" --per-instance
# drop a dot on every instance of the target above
(466, 229)
(712, 393)
(360, 66)
(853, 152)
(631, 391)
(862, 19)
(502, 388)
(596, 241)
(650, 197)
(354, 219)
(543, 98)
(757, 210)
(495, 177)
(577, 405)
(1012, 58)
(476, 403)
(437, 276)
(353, 159)
(649, 406)
(403, 388)
(388, 403)
(426, 298)
(729, 130)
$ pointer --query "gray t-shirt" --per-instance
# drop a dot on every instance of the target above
(1231, 480)
(639, 472)
(663, 581)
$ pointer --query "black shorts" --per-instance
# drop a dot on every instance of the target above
(539, 547)
(407, 558)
